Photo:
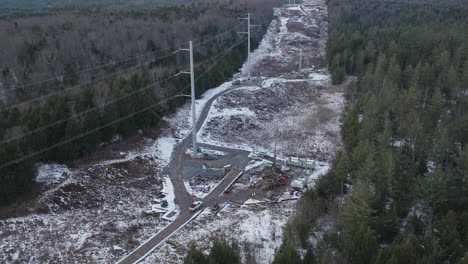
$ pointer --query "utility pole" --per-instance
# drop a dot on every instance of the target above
(248, 41)
(194, 114)
(300, 60)
(192, 88)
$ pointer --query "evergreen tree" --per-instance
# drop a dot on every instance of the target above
(432, 191)
(195, 256)
(309, 257)
(362, 246)
(432, 251)
(450, 238)
(223, 253)
(350, 127)
(405, 252)
(287, 254)
(357, 209)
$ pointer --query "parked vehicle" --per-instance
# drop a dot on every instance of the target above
(196, 206)
(254, 156)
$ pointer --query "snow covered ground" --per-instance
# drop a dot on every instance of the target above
(98, 213)
(200, 190)
(51, 173)
(257, 228)
(301, 118)
(93, 214)
(300, 115)
(180, 122)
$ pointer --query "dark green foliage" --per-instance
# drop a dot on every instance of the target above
(309, 257)
(404, 131)
(82, 120)
(287, 254)
(362, 246)
(452, 249)
(221, 253)
(195, 256)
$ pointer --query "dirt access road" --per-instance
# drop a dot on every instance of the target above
(238, 160)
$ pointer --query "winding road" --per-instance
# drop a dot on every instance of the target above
(238, 160)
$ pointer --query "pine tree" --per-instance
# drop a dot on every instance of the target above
(223, 253)
(457, 183)
(195, 256)
(450, 238)
(70, 150)
(434, 111)
(287, 254)
(432, 191)
(464, 260)
(370, 122)
(405, 252)
(432, 251)
(362, 246)
(309, 257)
(357, 209)
(350, 127)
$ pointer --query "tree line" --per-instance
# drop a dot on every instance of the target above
(398, 190)
(76, 113)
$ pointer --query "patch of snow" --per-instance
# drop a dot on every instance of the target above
(51, 173)
(248, 88)
(199, 190)
(275, 81)
(253, 201)
(297, 8)
(261, 230)
(207, 95)
(165, 146)
(168, 190)
(321, 168)
(189, 151)
(241, 111)
(255, 165)
(430, 165)
(321, 79)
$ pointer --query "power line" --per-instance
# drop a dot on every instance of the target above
(39, 98)
(25, 157)
(27, 102)
(39, 129)
(42, 128)
(82, 135)
(85, 70)
(38, 12)
(117, 62)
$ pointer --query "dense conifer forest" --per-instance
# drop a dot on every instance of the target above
(398, 190)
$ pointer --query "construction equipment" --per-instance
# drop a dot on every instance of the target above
(296, 162)
(299, 76)
(215, 207)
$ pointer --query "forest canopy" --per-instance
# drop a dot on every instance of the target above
(398, 190)
(83, 79)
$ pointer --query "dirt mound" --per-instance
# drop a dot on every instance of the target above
(69, 197)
